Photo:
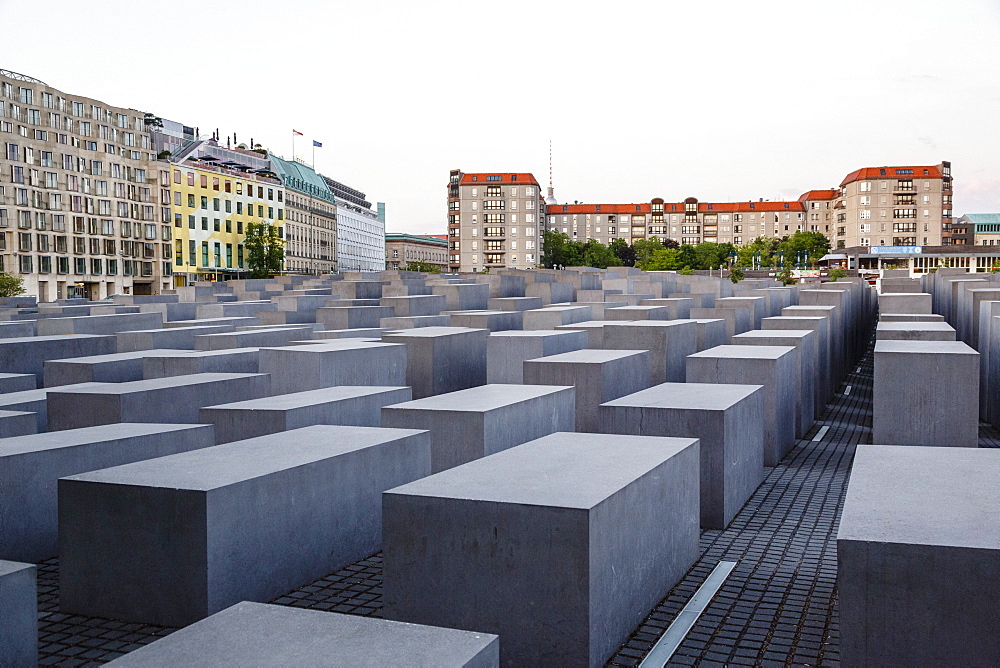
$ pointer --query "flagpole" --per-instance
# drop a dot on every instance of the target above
(314, 154)
(293, 145)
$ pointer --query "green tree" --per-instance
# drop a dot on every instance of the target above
(808, 245)
(664, 259)
(265, 250)
(712, 255)
(836, 274)
(686, 271)
(559, 250)
(736, 275)
(425, 267)
(11, 285)
(623, 252)
(785, 276)
(644, 249)
(596, 254)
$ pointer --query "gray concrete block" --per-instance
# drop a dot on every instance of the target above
(560, 546)
(17, 423)
(598, 375)
(278, 635)
(17, 382)
(355, 405)
(114, 368)
(698, 299)
(914, 331)
(99, 324)
(28, 355)
(669, 342)
(494, 321)
(19, 624)
(593, 328)
(943, 409)
(478, 422)
(553, 316)
(737, 319)
(234, 321)
(240, 309)
(905, 302)
(415, 305)
(334, 362)
(506, 351)
(597, 308)
(710, 332)
(16, 330)
(989, 360)
(917, 554)
(353, 317)
(180, 338)
(357, 289)
(32, 401)
(728, 421)
(680, 308)
(360, 333)
(640, 312)
(464, 297)
(910, 317)
(30, 466)
(550, 293)
(442, 359)
(253, 338)
(770, 366)
(176, 399)
(189, 362)
(173, 540)
(514, 303)
(757, 308)
(806, 361)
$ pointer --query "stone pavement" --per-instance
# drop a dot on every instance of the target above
(778, 607)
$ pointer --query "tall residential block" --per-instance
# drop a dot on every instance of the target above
(360, 230)
(79, 211)
(494, 220)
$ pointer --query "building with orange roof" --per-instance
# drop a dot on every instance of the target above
(495, 220)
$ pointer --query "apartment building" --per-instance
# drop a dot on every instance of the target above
(895, 206)
(874, 206)
(494, 220)
(310, 219)
(215, 193)
(79, 214)
(401, 249)
(985, 227)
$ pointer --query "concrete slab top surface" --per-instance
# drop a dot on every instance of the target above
(482, 398)
(649, 323)
(12, 398)
(588, 324)
(794, 317)
(308, 398)
(150, 383)
(588, 356)
(248, 634)
(68, 438)
(8, 567)
(923, 495)
(323, 345)
(559, 307)
(924, 347)
(532, 333)
(775, 334)
(905, 294)
(54, 337)
(915, 326)
(565, 469)
(188, 353)
(814, 307)
(701, 396)
(223, 465)
(431, 332)
(745, 352)
(113, 357)
(700, 321)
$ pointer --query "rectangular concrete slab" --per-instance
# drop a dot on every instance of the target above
(19, 621)
(278, 635)
(728, 421)
(478, 422)
(342, 405)
(173, 540)
(914, 331)
(176, 399)
(442, 359)
(30, 466)
(561, 546)
(669, 342)
(506, 351)
(917, 553)
(334, 362)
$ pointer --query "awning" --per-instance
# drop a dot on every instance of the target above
(833, 256)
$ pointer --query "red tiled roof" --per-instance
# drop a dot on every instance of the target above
(506, 179)
(891, 173)
(434, 236)
(819, 194)
(668, 207)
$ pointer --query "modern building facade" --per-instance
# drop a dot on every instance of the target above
(79, 211)
(985, 227)
(360, 230)
(215, 193)
(494, 220)
(401, 249)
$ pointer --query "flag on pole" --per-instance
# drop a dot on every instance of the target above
(318, 144)
(296, 132)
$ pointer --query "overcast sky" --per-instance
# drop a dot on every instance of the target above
(723, 101)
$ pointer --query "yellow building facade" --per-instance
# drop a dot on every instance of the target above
(211, 207)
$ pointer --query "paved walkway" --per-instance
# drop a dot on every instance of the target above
(778, 607)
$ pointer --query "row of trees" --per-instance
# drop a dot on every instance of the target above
(653, 254)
